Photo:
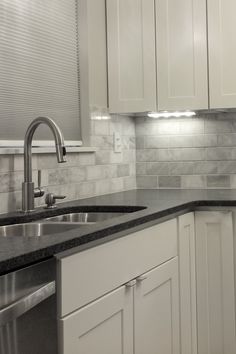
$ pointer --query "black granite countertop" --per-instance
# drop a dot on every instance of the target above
(17, 252)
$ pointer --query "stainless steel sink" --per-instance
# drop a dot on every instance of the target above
(34, 229)
(85, 218)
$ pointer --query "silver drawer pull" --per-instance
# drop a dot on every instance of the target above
(131, 283)
(141, 278)
(26, 303)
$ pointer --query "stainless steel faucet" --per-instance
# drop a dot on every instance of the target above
(28, 190)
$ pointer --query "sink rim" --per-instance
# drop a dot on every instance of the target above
(35, 226)
(41, 214)
(96, 217)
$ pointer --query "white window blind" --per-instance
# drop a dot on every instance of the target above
(39, 66)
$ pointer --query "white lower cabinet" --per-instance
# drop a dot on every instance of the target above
(156, 311)
(140, 317)
(207, 293)
(121, 297)
(215, 283)
(187, 284)
(167, 289)
(103, 327)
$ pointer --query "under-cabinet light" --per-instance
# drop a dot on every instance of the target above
(171, 114)
(100, 116)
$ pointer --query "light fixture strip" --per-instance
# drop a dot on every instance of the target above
(171, 114)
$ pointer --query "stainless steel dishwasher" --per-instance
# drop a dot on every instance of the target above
(28, 323)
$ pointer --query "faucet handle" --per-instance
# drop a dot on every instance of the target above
(50, 200)
(39, 192)
(39, 178)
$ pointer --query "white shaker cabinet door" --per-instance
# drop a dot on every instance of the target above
(181, 42)
(222, 53)
(131, 55)
(156, 311)
(187, 284)
(103, 327)
(215, 283)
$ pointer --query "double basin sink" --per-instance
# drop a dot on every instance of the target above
(61, 223)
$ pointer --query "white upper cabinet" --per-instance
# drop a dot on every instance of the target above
(97, 58)
(222, 53)
(181, 42)
(131, 55)
(176, 62)
(171, 55)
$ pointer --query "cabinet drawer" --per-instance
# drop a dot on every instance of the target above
(87, 275)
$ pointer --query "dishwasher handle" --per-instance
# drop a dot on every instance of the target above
(26, 303)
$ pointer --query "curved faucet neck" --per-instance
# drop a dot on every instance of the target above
(28, 186)
(59, 143)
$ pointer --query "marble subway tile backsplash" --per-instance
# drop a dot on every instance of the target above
(185, 153)
(84, 175)
(188, 153)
